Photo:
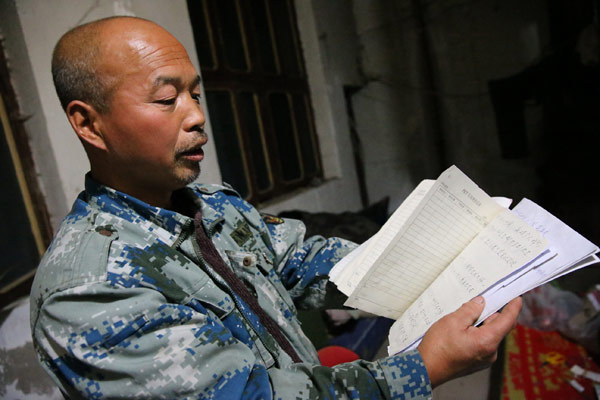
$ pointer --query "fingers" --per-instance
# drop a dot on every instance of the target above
(453, 346)
(469, 312)
(516, 305)
(490, 318)
(500, 324)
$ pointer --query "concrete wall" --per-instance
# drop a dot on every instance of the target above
(392, 122)
(474, 43)
(415, 121)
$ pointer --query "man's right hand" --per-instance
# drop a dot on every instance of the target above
(453, 347)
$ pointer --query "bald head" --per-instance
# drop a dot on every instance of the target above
(132, 96)
(81, 58)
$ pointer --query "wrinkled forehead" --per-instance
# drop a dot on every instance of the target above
(126, 49)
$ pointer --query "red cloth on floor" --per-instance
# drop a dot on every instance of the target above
(334, 355)
(537, 365)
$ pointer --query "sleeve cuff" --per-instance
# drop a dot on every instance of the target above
(406, 376)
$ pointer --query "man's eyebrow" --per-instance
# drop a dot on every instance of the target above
(196, 81)
(175, 81)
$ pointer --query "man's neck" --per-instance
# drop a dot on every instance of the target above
(154, 197)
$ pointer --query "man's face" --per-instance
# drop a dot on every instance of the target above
(154, 129)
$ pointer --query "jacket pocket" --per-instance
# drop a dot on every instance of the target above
(262, 280)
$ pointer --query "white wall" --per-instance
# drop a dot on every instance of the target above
(372, 44)
(22, 78)
(52, 140)
(58, 155)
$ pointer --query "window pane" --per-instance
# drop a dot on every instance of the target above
(264, 37)
(265, 140)
(202, 34)
(305, 135)
(284, 133)
(227, 143)
(231, 34)
(284, 37)
(249, 115)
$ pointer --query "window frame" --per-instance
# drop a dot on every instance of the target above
(261, 83)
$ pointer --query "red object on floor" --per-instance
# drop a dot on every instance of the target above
(334, 355)
(537, 365)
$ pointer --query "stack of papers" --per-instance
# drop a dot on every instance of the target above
(449, 242)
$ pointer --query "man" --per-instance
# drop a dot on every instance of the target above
(155, 288)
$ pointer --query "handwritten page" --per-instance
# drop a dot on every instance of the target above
(348, 272)
(573, 251)
(450, 215)
(359, 265)
(504, 246)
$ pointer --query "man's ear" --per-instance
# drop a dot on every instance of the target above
(85, 121)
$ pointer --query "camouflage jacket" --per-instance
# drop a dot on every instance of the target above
(123, 306)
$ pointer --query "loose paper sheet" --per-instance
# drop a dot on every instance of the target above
(573, 251)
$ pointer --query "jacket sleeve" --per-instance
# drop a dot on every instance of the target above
(106, 343)
(304, 265)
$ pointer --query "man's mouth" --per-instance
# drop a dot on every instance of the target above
(195, 154)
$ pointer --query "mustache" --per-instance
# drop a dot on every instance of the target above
(193, 147)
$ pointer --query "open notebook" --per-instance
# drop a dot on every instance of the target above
(449, 242)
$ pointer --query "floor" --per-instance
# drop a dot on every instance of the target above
(470, 387)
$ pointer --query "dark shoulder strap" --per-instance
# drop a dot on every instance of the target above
(212, 257)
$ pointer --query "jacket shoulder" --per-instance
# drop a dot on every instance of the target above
(78, 255)
(212, 188)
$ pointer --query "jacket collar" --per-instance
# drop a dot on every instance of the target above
(204, 197)
(136, 211)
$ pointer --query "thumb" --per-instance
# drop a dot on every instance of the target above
(470, 311)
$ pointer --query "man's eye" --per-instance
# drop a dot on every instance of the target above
(166, 102)
(196, 97)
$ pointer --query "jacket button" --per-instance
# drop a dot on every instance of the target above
(105, 232)
(247, 261)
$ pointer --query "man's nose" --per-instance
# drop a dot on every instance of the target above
(194, 119)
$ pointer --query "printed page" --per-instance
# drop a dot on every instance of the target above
(359, 265)
(506, 245)
(452, 213)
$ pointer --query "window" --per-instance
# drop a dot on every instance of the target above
(257, 94)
